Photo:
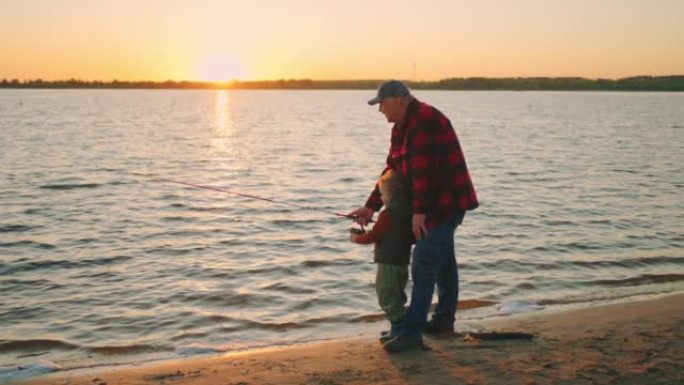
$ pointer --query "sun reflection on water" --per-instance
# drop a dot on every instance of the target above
(223, 119)
(224, 129)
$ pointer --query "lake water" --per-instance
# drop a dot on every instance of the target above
(581, 203)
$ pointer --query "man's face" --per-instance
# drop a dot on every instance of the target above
(393, 109)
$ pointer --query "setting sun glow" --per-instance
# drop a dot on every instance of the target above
(220, 68)
(221, 41)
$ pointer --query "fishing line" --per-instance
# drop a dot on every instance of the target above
(226, 191)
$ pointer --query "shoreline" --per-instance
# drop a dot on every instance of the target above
(636, 341)
(672, 82)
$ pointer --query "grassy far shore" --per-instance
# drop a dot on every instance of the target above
(636, 83)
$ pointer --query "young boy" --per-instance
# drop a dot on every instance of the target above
(393, 238)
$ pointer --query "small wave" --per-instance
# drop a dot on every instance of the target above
(514, 306)
(569, 246)
(324, 263)
(70, 186)
(349, 318)
(63, 264)
(348, 180)
(474, 304)
(519, 265)
(43, 285)
(16, 228)
(15, 373)
(289, 289)
(600, 222)
(645, 279)
(599, 297)
(100, 275)
(294, 222)
(34, 345)
(190, 335)
(276, 326)
(368, 318)
(228, 298)
(125, 349)
(208, 209)
(465, 304)
(525, 286)
(327, 248)
(84, 241)
(118, 183)
(27, 243)
(197, 349)
(550, 223)
(314, 170)
(280, 270)
(175, 219)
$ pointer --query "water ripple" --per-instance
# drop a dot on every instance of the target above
(70, 186)
(27, 243)
(13, 268)
(102, 261)
(17, 228)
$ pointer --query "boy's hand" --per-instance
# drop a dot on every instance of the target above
(354, 233)
(362, 215)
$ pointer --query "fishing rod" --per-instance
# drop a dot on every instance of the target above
(219, 189)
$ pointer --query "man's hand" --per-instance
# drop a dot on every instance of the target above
(362, 215)
(418, 225)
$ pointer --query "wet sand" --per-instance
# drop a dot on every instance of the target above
(639, 342)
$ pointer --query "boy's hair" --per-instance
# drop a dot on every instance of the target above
(390, 182)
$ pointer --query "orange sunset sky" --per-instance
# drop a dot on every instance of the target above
(212, 40)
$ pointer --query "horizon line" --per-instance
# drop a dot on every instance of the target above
(635, 83)
(292, 79)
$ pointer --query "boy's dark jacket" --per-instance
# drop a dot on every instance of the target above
(392, 233)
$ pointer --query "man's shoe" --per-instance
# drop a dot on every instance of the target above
(435, 327)
(402, 343)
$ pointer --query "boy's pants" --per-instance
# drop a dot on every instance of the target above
(390, 282)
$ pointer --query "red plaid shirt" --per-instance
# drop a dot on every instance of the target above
(426, 151)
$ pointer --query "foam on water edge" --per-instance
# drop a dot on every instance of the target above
(19, 372)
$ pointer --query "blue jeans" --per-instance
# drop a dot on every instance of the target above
(433, 262)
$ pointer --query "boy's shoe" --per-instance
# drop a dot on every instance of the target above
(387, 335)
(435, 327)
(402, 343)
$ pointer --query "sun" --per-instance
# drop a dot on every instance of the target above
(220, 68)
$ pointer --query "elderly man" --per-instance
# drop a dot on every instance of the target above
(425, 149)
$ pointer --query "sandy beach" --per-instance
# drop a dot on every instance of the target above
(640, 342)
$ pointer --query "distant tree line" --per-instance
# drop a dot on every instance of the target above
(637, 83)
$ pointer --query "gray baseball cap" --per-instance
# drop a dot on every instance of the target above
(390, 89)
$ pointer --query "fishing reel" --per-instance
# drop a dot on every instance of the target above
(356, 231)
